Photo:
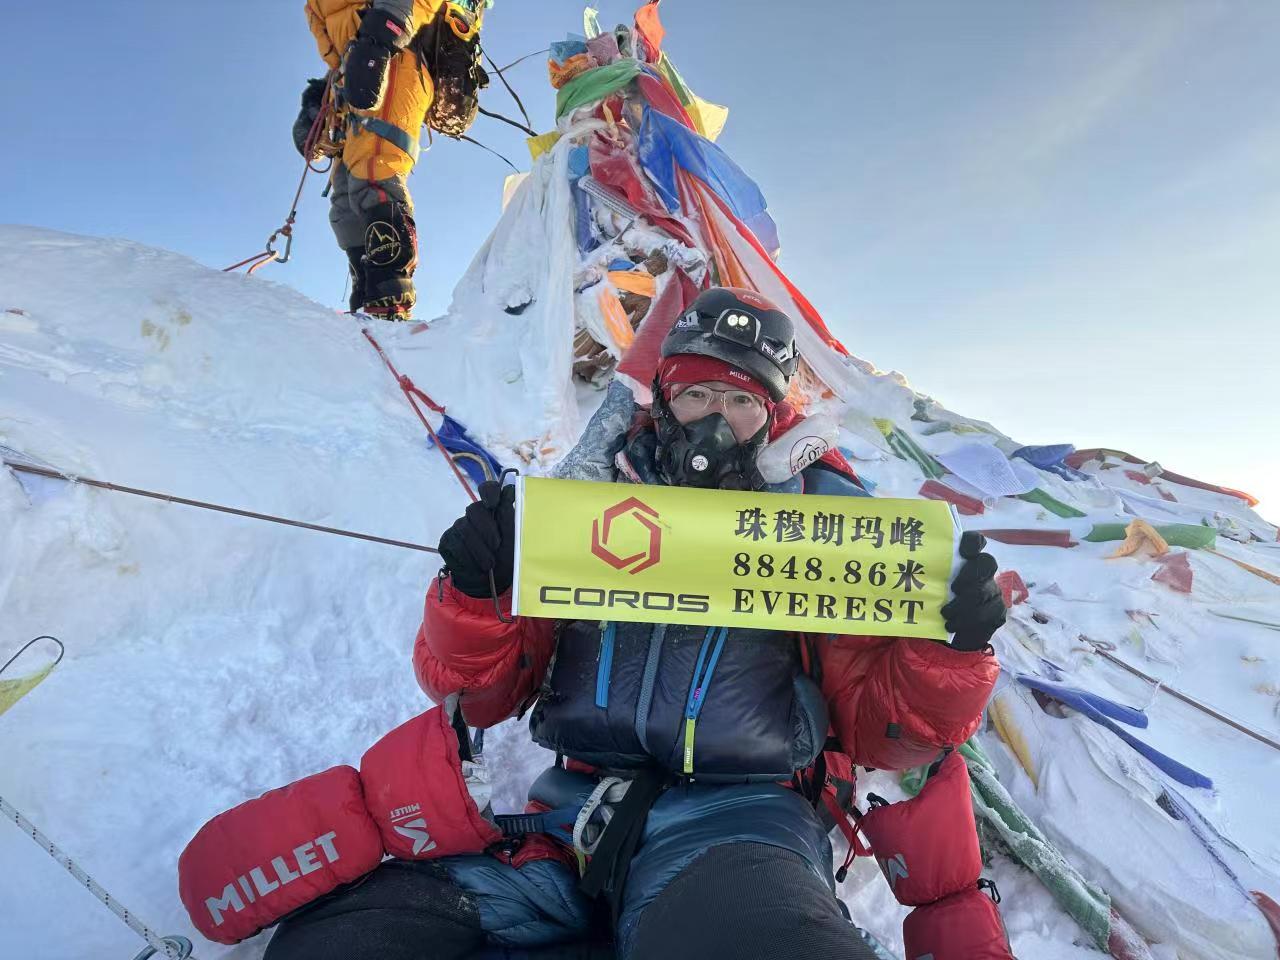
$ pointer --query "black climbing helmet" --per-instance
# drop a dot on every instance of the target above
(741, 328)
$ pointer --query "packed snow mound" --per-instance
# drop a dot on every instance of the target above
(209, 658)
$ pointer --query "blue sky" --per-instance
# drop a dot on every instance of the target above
(1063, 217)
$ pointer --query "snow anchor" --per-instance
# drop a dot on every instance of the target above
(24, 465)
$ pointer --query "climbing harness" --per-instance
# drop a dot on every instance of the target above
(451, 115)
(26, 465)
(413, 394)
(606, 874)
(174, 948)
(317, 139)
(610, 790)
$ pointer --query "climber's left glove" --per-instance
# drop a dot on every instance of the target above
(482, 542)
(382, 35)
(977, 611)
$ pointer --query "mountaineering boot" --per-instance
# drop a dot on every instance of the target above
(390, 256)
(364, 68)
(355, 264)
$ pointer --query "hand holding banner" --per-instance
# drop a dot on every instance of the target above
(844, 565)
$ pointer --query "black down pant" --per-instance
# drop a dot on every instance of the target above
(747, 901)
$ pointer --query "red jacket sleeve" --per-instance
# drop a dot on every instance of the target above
(896, 701)
(462, 647)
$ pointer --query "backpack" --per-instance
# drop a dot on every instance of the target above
(449, 47)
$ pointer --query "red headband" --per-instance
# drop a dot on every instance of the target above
(694, 368)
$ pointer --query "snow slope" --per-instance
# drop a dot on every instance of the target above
(211, 658)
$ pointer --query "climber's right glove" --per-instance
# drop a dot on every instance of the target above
(483, 539)
(977, 610)
(382, 35)
(312, 103)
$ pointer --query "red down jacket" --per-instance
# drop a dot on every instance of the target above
(928, 850)
(932, 696)
(259, 861)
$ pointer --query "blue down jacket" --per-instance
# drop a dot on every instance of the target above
(618, 695)
(622, 695)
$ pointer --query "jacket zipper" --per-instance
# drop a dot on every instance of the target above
(698, 689)
(604, 664)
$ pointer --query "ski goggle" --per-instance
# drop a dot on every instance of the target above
(464, 23)
(745, 411)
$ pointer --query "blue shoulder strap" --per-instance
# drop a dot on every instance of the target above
(387, 131)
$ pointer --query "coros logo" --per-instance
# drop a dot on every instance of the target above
(629, 522)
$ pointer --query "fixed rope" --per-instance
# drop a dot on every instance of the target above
(1160, 685)
(467, 138)
(527, 126)
(413, 394)
(25, 466)
(175, 948)
(270, 254)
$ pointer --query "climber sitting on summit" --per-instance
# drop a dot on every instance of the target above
(715, 847)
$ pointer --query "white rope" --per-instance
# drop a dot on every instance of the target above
(174, 948)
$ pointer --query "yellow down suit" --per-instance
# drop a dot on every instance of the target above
(369, 191)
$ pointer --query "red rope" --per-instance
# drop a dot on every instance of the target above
(258, 259)
(410, 392)
(270, 255)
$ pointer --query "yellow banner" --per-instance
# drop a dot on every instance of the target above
(853, 565)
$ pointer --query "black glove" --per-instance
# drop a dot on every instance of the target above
(364, 67)
(483, 539)
(312, 100)
(978, 609)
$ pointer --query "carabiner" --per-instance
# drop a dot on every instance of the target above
(287, 232)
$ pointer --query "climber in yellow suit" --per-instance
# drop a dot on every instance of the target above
(388, 90)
